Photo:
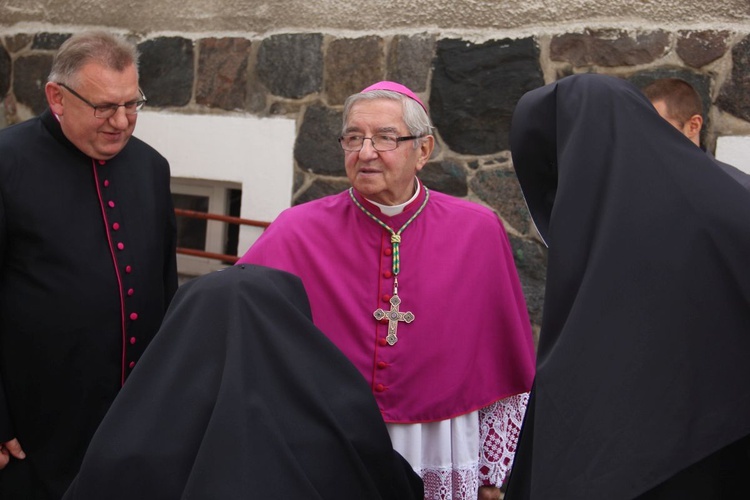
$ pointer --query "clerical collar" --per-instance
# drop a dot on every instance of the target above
(391, 210)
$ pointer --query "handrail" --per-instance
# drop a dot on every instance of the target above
(222, 218)
(209, 255)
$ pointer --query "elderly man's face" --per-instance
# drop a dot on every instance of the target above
(99, 138)
(386, 177)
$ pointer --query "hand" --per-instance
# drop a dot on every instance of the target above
(8, 448)
(489, 493)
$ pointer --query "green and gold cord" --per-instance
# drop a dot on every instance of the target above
(395, 236)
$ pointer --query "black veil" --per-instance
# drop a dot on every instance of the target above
(643, 355)
(239, 396)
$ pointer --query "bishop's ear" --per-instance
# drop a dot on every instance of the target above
(426, 146)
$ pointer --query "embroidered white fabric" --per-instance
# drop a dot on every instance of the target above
(447, 454)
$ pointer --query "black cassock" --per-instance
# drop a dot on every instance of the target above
(643, 376)
(240, 396)
(87, 269)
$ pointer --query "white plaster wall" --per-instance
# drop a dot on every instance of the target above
(254, 152)
(735, 150)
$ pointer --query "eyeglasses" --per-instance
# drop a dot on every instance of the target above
(108, 110)
(379, 142)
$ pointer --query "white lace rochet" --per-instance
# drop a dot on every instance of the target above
(448, 455)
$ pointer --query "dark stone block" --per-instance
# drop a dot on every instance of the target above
(609, 48)
(18, 42)
(352, 65)
(316, 149)
(49, 41)
(5, 71)
(734, 97)
(291, 65)
(167, 71)
(698, 48)
(222, 73)
(29, 78)
(499, 189)
(475, 89)
(410, 60)
(445, 176)
(530, 258)
(320, 188)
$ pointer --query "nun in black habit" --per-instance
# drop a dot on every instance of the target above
(239, 396)
(642, 387)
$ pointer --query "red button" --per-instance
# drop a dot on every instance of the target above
(134, 316)
(387, 274)
(383, 321)
(121, 245)
(382, 364)
(388, 251)
(383, 342)
(106, 182)
(132, 340)
(132, 364)
(379, 388)
(128, 269)
(386, 298)
(111, 204)
(116, 226)
(102, 162)
(131, 291)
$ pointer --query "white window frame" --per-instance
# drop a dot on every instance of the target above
(218, 203)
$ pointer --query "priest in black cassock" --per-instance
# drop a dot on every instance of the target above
(240, 396)
(642, 387)
(87, 262)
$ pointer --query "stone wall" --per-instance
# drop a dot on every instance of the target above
(471, 88)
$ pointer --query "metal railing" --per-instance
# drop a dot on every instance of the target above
(221, 218)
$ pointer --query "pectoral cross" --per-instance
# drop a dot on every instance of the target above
(394, 316)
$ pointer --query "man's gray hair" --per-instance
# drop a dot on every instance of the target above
(415, 117)
(100, 47)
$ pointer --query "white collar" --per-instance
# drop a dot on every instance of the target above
(391, 210)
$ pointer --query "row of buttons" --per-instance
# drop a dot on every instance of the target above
(128, 268)
(381, 365)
